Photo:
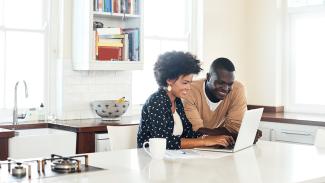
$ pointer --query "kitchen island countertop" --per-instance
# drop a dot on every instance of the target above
(265, 162)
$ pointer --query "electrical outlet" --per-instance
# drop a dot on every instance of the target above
(31, 115)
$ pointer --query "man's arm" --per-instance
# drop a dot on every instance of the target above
(236, 109)
(236, 113)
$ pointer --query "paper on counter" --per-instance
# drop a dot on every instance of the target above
(194, 154)
(181, 154)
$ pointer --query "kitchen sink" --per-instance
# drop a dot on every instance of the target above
(41, 142)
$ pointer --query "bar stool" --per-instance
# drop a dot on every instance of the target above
(122, 137)
(320, 138)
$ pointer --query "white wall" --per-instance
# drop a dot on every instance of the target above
(265, 52)
(224, 33)
(76, 89)
(248, 32)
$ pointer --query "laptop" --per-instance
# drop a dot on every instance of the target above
(246, 134)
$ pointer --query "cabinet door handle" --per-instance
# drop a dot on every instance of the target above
(293, 133)
(271, 134)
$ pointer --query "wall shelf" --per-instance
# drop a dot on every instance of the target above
(118, 15)
(83, 36)
(111, 65)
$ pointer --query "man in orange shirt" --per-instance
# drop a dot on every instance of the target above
(216, 105)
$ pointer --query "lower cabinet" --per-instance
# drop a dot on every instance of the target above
(291, 133)
(42, 142)
(102, 142)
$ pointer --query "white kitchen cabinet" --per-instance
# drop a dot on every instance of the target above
(288, 132)
(42, 142)
(83, 36)
(102, 142)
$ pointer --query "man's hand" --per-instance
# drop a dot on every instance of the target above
(224, 131)
(258, 135)
(217, 131)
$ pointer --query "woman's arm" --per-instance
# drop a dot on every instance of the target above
(204, 141)
(187, 143)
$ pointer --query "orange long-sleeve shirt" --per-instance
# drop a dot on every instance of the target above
(228, 114)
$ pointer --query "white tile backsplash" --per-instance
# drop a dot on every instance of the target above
(74, 79)
(79, 88)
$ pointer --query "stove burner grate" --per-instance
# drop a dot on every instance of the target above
(46, 167)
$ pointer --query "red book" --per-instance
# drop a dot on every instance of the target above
(100, 5)
(109, 53)
(116, 6)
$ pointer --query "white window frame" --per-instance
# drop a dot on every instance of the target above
(290, 105)
(55, 53)
(51, 34)
(192, 38)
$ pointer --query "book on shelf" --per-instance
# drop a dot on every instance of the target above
(103, 5)
(117, 6)
(100, 5)
(95, 4)
(109, 31)
(108, 6)
(113, 36)
(117, 44)
(126, 48)
(110, 40)
(134, 43)
(136, 5)
(94, 45)
(108, 53)
(110, 44)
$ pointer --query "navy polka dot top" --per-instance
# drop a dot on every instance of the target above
(157, 121)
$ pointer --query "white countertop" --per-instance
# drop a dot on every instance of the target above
(265, 162)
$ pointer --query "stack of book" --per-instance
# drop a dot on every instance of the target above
(117, 6)
(116, 44)
(133, 43)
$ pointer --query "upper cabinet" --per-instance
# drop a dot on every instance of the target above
(107, 35)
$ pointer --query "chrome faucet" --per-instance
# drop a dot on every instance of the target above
(15, 112)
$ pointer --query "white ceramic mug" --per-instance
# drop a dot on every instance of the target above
(157, 147)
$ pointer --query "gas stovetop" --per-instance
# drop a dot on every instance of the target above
(56, 165)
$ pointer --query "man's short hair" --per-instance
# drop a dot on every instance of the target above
(222, 63)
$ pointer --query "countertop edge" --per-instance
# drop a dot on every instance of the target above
(5, 133)
(101, 127)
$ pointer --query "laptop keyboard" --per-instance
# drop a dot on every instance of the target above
(230, 146)
(221, 147)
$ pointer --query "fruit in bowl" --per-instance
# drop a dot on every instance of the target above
(110, 109)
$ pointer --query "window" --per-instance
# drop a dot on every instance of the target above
(304, 3)
(307, 56)
(167, 27)
(23, 51)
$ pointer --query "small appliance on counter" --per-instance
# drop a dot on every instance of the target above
(110, 110)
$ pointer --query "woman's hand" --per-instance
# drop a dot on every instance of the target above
(222, 140)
